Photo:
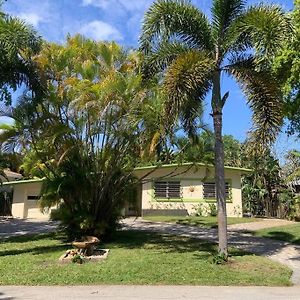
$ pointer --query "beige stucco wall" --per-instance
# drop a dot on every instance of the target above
(22, 207)
(192, 189)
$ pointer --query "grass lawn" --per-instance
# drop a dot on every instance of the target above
(208, 222)
(289, 233)
(135, 258)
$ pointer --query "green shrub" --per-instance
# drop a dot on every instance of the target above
(212, 209)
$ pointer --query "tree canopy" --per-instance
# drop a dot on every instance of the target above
(19, 42)
(287, 69)
(83, 131)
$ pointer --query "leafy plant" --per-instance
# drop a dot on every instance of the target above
(78, 259)
(212, 209)
(265, 192)
(219, 259)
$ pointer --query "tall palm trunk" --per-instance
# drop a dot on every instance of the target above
(217, 106)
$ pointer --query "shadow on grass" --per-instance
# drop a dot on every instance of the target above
(34, 250)
(167, 243)
(283, 236)
(161, 243)
(198, 223)
(59, 236)
(33, 237)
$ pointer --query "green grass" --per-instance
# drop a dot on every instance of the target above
(134, 258)
(207, 222)
(288, 233)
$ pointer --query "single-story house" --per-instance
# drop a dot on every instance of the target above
(188, 188)
(6, 191)
(11, 176)
(25, 197)
(174, 189)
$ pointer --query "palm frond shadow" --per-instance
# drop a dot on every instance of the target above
(166, 243)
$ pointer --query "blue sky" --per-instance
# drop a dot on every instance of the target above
(120, 20)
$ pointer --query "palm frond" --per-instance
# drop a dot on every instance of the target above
(187, 82)
(17, 37)
(264, 98)
(175, 19)
(18, 43)
(224, 12)
(158, 60)
(264, 28)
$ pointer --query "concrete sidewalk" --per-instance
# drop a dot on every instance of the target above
(133, 292)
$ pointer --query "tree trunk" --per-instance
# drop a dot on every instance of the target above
(217, 106)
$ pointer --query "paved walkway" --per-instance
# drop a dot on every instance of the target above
(261, 224)
(133, 292)
(279, 251)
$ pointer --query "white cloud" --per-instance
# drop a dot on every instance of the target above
(99, 30)
(31, 18)
(128, 5)
(135, 5)
(98, 3)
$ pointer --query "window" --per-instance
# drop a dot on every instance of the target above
(33, 197)
(209, 190)
(167, 189)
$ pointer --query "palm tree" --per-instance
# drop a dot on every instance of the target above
(18, 43)
(192, 52)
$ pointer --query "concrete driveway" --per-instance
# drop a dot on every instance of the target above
(10, 227)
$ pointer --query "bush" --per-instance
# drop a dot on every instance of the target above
(213, 210)
(89, 202)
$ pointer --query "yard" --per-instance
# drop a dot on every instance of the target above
(290, 233)
(207, 222)
(135, 258)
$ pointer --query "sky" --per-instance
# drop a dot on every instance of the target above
(121, 20)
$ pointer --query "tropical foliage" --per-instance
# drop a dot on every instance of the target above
(191, 54)
(265, 192)
(201, 149)
(287, 69)
(19, 42)
(83, 131)
(92, 111)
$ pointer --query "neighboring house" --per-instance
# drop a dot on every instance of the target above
(25, 197)
(168, 189)
(11, 176)
(5, 191)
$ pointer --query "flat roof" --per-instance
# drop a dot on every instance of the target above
(189, 164)
(24, 181)
(10, 173)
